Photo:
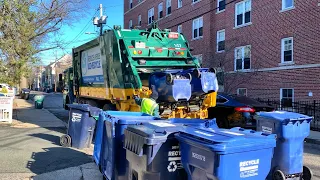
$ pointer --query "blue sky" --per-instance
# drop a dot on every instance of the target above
(113, 9)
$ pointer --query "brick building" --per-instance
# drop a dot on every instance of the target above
(265, 48)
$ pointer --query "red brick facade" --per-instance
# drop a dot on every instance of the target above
(268, 26)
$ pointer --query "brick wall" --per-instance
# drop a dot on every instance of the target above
(267, 85)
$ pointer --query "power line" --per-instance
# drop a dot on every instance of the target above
(82, 31)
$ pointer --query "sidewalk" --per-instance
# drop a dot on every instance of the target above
(30, 148)
(26, 116)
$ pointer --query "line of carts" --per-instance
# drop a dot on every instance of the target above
(136, 146)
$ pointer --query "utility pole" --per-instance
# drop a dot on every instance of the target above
(99, 22)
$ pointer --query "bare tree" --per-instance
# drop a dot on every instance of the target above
(30, 27)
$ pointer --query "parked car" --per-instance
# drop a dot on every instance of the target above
(236, 111)
(10, 90)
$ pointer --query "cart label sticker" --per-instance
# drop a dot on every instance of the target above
(162, 124)
(203, 133)
(233, 133)
(174, 156)
(266, 129)
(76, 117)
(249, 168)
(198, 156)
(174, 153)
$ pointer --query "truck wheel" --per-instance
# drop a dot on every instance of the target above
(109, 107)
(65, 140)
(92, 103)
(307, 173)
(278, 175)
(189, 76)
(67, 102)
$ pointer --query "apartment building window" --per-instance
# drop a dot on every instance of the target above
(243, 13)
(286, 97)
(197, 28)
(242, 91)
(139, 20)
(160, 10)
(243, 58)
(130, 4)
(287, 50)
(220, 40)
(179, 3)
(287, 4)
(221, 5)
(168, 7)
(179, 30)
(130, 24)
(150, 15)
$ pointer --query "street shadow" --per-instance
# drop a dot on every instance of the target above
(49, 137)
(56, 158)
(312, 148)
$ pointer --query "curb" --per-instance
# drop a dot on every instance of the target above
(312, 141)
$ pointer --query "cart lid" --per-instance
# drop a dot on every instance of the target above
(93, 111)
(128, 118)
(225, 141)
(284, 116)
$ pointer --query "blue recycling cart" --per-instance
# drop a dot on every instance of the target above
(171, 85)
(152, 150)
(81, 126)
(107, 115)
(203, 80)
(291, 130)
(113, 163)
(236, 154)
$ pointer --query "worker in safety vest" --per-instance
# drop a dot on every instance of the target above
(149, 105)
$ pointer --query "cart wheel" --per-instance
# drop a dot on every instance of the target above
(307, 173)
(278, 175)
(65, 141)
(189, 76)
(169, 78)
(196, 73)
(213, 70)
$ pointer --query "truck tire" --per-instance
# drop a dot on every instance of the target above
(67, 102)
(92, 103)
(109, 107)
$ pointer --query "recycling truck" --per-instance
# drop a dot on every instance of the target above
(109, 70)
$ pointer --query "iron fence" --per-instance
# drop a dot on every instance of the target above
(310, 108)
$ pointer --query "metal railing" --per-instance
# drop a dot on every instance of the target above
(310, 108)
